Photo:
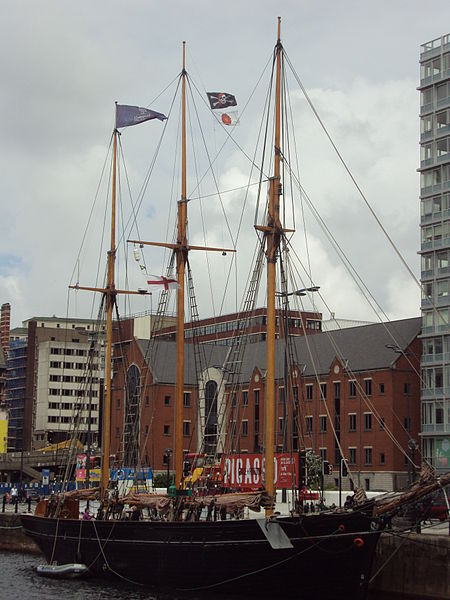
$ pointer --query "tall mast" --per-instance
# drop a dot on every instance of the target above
(181, 250)
(273, 234)
(181, 263)
(110, 294)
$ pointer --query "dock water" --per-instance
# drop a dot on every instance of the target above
(407, 565)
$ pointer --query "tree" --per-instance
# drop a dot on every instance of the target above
(313, 470)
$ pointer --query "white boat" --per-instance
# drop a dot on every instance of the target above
(68, 571)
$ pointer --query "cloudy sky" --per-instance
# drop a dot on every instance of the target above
(65, 63)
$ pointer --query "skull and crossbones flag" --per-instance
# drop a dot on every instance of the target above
(220, 100)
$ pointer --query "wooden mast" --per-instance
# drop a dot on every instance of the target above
(110, 294)
(181, 254)
(273, 242)
(181, 250)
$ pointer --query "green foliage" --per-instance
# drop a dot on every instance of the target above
(314, 470)
(160, 480)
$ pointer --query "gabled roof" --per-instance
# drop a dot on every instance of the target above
(364, 349)
(162, 360)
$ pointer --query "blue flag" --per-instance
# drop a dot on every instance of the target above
(133, 115)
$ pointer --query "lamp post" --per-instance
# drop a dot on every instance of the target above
(285, 296)
(411, 444)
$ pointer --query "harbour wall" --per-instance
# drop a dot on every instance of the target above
(12, 537)
(411, 565)
(406, 565)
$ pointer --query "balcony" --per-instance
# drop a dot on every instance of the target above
(437, 392)
(436, 428)
(428, 359)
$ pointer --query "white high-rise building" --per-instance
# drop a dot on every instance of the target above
(435, 249)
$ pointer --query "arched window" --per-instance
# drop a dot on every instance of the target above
(211, 417)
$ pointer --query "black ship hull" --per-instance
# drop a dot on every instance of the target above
(331, 557)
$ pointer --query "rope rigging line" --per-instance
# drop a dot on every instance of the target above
(350, 269)
(145, 183)
(369, 403)
(364, 396)
(92, 209)
(256, 571)
(236, 189)
(210, 169)
(205, 238)
(346, 167)
(396, 341)
(229, 133)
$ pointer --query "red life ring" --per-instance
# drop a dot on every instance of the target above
(359, 543)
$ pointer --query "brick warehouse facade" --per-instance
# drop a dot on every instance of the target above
(350, 381)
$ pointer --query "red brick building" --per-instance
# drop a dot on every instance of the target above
(350, 393)
(222, 328)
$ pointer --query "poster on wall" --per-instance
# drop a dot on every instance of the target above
(442, 458)
(246, 471)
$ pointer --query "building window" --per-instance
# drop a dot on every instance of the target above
(309, 424)
(368, 387)
(187, 399)
(381, 423)
(280, 424)
(147, 401)
(166, 400)
(352, 456)
(117, 432)
(337, 390)
(352, 422)
(295, 394)
(244, 428)
(323, 423)
(323, 453)
(282, 395)
(186, 428)
(323, 391)
(352, 389)
(256, 397)
(407, 388)
(146, 430)
(245, 398)
(309, 391)
(166, 429)
(368, 421)
(367, 482)
(381, 389)
(368, 456)
(233, 399)
(118, 403)
(382, 458)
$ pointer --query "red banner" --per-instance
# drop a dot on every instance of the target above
(246, 471)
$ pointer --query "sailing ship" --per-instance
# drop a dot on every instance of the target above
(326, 555)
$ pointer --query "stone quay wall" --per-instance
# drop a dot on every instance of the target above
(412, 566)
(12, 537)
